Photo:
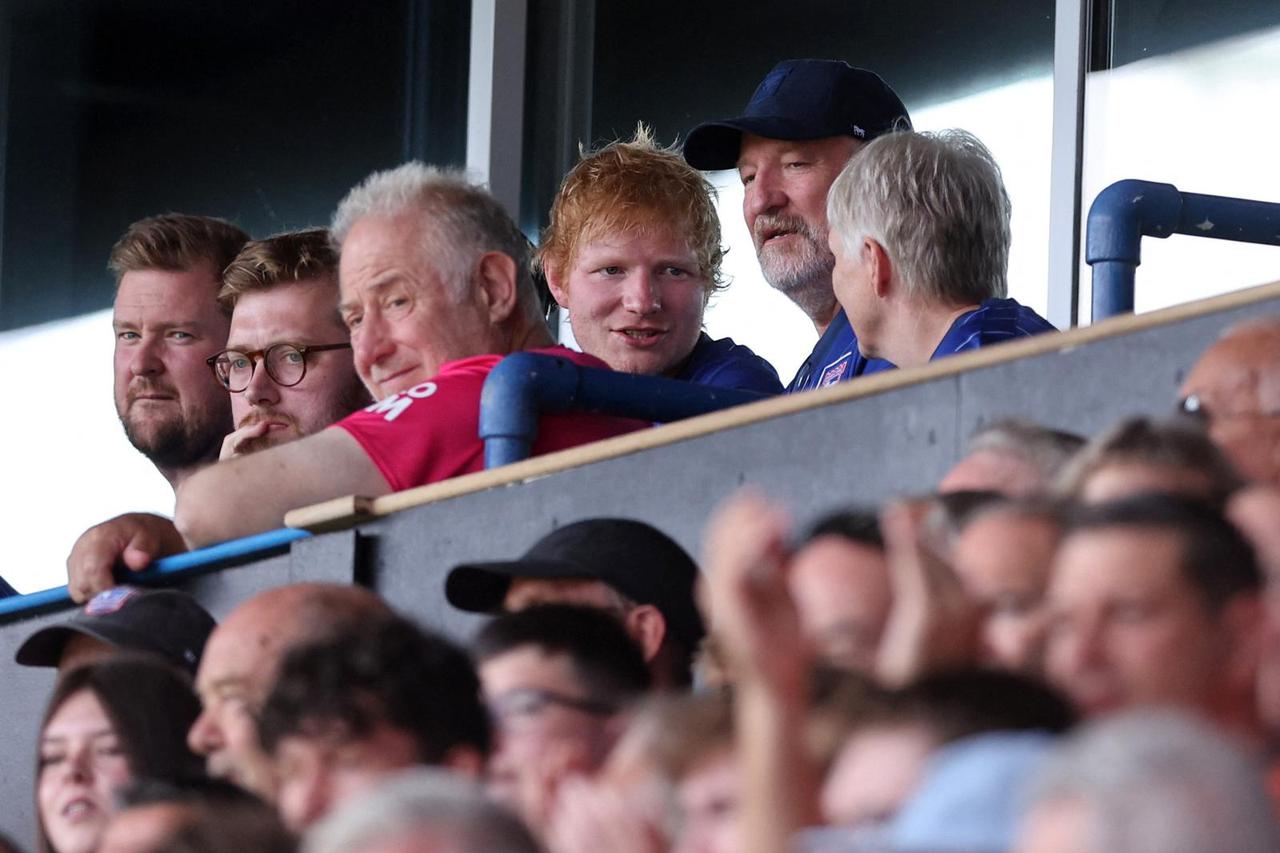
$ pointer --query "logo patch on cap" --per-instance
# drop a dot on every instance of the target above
(858, 132)
(109, 601)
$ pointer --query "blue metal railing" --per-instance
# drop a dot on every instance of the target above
(1129, 210)
(525, 385)
(167, 570)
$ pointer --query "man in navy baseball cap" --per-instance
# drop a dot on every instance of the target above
(626, 567)
(805, 120)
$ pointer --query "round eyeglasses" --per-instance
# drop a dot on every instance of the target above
(286, 364)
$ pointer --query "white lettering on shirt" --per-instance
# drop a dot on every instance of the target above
(393, 407)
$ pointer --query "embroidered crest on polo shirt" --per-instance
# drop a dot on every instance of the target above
(835, 372)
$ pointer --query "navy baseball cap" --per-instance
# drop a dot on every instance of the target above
(634, 558)
(802, 99)
(164, 622)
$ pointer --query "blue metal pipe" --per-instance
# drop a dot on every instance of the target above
(165, 571)
(524, 385)
(1128, 210)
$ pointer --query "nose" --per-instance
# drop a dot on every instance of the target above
(370, 343)
(145, 357)
(205, 737)
(641, 293)
(78, 767)
(763, 195)
(262, 389)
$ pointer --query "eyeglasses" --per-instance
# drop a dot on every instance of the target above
(286, 364)
(1194, 407)
(523, 705)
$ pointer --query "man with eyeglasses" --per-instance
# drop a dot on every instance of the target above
(558, 680)
(1234, 389)
(288, 361)
(288, 367)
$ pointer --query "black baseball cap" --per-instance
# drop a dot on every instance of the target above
(165, 622)
(634, 558)
(802, 99)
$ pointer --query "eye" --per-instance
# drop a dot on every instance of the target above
(352, 321)
(796, 164)
(612, 269)
(239, 363)
(128, 335)
(676, 272)
(179, 335)
(746, 177)
(51, 759)
(294, 357)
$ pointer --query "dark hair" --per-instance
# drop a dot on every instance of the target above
(963, 702)
(216, 816)
(605, 659)
(1216, 559)
(861, 527)
(388, 671)
(151, 707)
(176, 242)
(280, 259)
(1173, 444)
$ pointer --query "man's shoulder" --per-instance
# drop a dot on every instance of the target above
(723, 363)
(992, 322)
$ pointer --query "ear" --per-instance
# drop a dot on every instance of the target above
(557, 284)
(878, 265)
(1243, 624)
(497, 285)
(648, 627)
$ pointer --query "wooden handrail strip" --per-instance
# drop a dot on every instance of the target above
(344, 512)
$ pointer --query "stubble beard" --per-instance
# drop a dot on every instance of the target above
(174, 442)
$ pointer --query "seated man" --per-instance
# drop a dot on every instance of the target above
(1011, 456)
(627, 568)
(1234, 389)
(633, 253)
(241, 661)
(167, 321)
(351, 711)
(1156, 601)
(557, 680)
(920, 234)
(803, 123)
(281, 293)
(435, 289)
(168, 623)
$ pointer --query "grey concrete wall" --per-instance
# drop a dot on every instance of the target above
(855, 452)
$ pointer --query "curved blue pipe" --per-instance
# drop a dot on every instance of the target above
(166, 570)
(1125, 212)
(524, 385)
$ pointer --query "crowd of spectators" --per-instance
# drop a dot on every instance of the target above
(1071, 645)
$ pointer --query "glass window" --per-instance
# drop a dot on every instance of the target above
(1187, 100)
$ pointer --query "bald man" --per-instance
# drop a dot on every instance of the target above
(1235, 389)
(241, 661)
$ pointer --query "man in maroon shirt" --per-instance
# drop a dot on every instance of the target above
(435, 288)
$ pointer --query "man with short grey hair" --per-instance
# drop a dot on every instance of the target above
(1151, 782)
(435, 290)
(421, 810)
(920, 234)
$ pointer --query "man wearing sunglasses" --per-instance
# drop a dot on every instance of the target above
(288, 360)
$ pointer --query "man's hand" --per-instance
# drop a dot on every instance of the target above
(241, 441)
(134, 539)
(750, 606)
(933, 622)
